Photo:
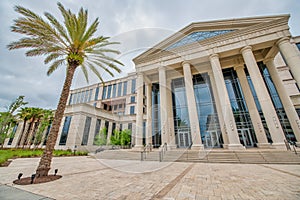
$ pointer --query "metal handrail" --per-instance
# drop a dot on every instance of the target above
(162, 152)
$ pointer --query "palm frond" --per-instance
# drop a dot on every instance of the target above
(55, 65)
(96, 72)
(85, 73)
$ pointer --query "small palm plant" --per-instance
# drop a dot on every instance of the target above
(69, 44)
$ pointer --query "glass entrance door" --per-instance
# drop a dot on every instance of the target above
(212, 139)
(183, 139)
(245, 137)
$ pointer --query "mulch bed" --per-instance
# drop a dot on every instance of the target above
(37, 180)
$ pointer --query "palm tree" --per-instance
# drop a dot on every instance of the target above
(24, 114)
(72, 43)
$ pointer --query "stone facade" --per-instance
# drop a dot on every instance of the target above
(231, 84)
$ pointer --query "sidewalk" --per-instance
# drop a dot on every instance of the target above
(12, 193)
(90, 178)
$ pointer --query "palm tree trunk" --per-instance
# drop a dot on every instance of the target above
(45, 161)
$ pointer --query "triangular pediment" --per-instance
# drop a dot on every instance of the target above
(202, 31)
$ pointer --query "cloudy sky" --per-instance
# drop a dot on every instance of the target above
(137, 24)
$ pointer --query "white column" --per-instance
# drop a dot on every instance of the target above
(254, 115)
(229, 122)
(139, 113)
(285, 99)
(292, 57)
(149, 114)
(192, 108)
(163, 105)
(219, 110)
(92, 131)
(171, 132)
(264, 98)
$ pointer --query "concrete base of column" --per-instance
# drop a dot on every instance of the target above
(138, 148)
(264, 145)
(278, 146)
(197, 147)
(235, 147)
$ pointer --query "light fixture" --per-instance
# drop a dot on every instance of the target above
(20, 175)
(32, 178)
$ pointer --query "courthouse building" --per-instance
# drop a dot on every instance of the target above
(231, 84)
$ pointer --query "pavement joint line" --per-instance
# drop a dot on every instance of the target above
(282, 171)
(163, 192)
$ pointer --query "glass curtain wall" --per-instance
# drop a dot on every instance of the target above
(239, 108)
(286, 126)
(156, 132)
(180, 113)
(207, 113)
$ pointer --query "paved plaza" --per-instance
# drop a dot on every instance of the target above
(90, 178)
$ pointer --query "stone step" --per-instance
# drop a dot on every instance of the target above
(252, 156)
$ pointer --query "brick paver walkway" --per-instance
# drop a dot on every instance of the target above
(89, 178)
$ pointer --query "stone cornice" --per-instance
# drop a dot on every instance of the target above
(245, 34)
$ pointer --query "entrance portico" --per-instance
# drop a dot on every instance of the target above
(200, 107)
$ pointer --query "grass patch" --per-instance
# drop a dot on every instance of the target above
(6, 154)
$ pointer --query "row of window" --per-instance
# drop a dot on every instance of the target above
(115, 90)
(81, 97)
(86, 131)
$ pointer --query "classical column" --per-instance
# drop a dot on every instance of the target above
(254, 115)
(229, 122)
(139, 113)
(192, 108)
(264, 98)
(171, 132)
(219, 110)
(292, 57)
(149, 114)
(163, 104)
(285, 99)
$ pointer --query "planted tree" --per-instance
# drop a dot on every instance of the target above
(69, 44)
(46, 121)
(101, 137)
(8, 119)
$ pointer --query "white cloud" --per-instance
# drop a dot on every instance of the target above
(137, 24)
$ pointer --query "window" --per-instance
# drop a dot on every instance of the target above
(47, 133)
(86, 131)
(108, 91)
(115, 107)
(119, 89)
(130, 126)
(90, 95)
(114, 90)
(70, 101)
(125, 88)
(113, 128)
(132, 99)
(133, 85)
(120, 106)
(97, 129)
(298, 45)
(96, 94)
(104, 92)
(65, 130)
(132, 110)
(12, 134)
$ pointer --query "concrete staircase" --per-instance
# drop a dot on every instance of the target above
(253, 156)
